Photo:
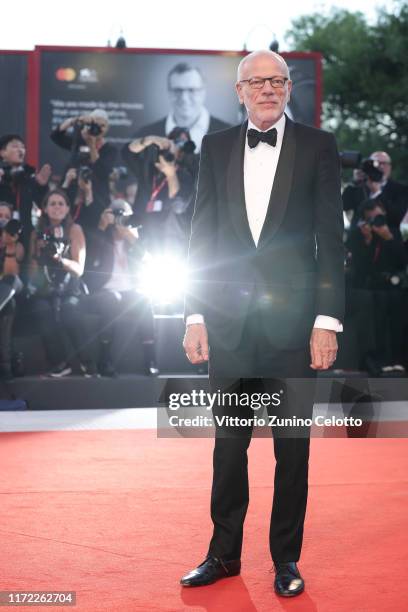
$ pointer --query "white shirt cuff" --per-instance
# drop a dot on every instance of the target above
(325, 322)
(322, 321)
(194, 318)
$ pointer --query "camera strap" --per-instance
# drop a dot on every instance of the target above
(17, 191)
(377, 252)
(79, 201)
(156, 189)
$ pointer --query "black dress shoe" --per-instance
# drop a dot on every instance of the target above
(211, 570)
(288, 581)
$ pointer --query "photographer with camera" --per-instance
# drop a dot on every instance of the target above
(93, 159)
(20, 184)
(372, 180)
(57, 261)
(80, 192)
(11, 256)
(378, 264)
(166, 170)
(113, 260)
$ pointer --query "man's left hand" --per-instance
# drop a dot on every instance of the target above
(323, 348)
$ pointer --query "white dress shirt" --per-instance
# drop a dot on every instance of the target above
(260, 165)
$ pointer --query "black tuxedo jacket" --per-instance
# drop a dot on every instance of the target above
(297, 269)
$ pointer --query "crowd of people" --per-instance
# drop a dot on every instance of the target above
(377, 257)
(74, 243)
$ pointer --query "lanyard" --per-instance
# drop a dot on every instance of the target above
(377, 252)
(17, 193)
(156, 189)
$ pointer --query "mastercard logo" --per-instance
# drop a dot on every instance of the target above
(65, 74)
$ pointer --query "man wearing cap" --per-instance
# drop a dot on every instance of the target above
(266, 299)
(87, 133)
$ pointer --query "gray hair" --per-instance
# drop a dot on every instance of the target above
(278, 58)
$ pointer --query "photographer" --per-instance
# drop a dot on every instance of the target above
(57, 260)
(11, 255)
(92, 157)
(113, 259)
(80, 191)
(373, 181)
(166, 170)
(378, 264)
(20, 185)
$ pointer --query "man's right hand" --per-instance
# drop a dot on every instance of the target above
(195, 343)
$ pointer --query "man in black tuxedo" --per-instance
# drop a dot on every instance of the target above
(266, 299)
(186, 89)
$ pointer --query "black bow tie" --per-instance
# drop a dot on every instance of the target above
(254, 137)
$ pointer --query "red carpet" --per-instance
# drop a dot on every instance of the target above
(119, 516)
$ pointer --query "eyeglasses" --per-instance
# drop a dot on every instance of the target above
(191, 91)
(259, 82)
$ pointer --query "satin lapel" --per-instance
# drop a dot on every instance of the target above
(235, 187)
(282, 184)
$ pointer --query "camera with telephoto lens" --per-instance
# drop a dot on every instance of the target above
(12, 227)
(120, 217)
(370, 167)
(122, 212)
(377, 221)
(53, 246)
(84, 160)
(153, 153)
(93, 128)
(185, 145)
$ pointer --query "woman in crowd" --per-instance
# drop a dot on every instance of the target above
(57, 260)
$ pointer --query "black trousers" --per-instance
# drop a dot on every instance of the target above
(257, 367)
(389, 325)
(55, 333)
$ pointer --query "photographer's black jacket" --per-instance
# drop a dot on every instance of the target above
(21, 194)
(102, 169)
(371, 264)
(394, 197)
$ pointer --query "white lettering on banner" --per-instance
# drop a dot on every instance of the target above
(118, 112)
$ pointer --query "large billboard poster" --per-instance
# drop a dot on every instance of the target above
(13, 79)
(133, 87)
